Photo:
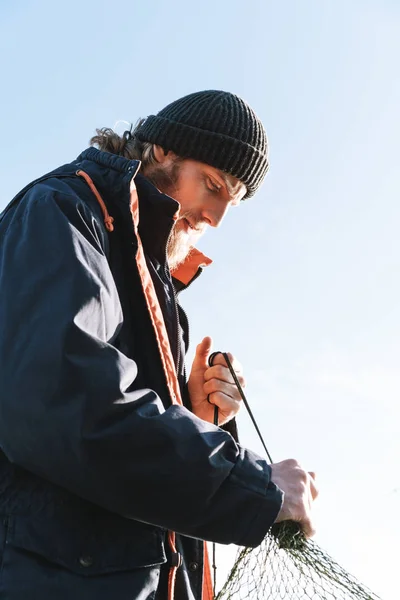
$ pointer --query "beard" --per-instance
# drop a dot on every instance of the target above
(180, 242)
(178, 249)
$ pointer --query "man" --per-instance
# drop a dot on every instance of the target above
(112, 471)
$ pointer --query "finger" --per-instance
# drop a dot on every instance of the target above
(312, 475)
(223, 374)
(220, 360)
(227, 405)
(308, 527)
(216, 385)
(313, 488)
(202, 351)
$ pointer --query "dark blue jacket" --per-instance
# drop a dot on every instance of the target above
(96, 464)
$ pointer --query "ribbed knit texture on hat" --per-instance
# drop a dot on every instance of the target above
(214, 127)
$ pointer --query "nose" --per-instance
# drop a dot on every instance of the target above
(213, 215)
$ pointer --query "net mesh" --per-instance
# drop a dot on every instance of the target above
(287, 566)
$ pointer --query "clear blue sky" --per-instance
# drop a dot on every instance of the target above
(304, 288)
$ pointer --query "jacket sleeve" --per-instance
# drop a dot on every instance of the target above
(70, 411)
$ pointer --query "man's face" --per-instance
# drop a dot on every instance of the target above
(204, 193)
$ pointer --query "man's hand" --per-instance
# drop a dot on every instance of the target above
(215, 382)
(300, 492)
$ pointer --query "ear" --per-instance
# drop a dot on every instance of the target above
(162, 156)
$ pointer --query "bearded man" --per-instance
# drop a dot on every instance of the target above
(112, 473)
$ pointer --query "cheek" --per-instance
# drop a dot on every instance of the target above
(191, 196)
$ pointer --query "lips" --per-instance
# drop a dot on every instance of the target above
(190, 227)
(185, 225)
(188, 224)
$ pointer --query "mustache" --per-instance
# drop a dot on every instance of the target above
(196, 221)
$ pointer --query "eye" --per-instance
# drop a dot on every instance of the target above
(212, 186)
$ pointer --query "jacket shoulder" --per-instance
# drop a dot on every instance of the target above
(55, 199)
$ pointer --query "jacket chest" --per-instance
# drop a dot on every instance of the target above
(136, 337)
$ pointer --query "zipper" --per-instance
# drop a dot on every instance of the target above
(199, 271)
(186, 323)
(176, 303)
(168, 276)
(175, 295)
(178, 337)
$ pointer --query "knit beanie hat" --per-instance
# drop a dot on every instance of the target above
(214, 127)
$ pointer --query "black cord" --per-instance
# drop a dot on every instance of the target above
(246, 403)
(214, 553)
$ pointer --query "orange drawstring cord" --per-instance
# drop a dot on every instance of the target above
(108, 219)
(176, 561)
(208, 588)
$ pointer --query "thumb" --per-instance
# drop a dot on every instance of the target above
(202, 352)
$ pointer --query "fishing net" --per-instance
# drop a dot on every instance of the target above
(286, 565)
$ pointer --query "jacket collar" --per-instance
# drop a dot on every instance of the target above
(112, 175)
(190, 269)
